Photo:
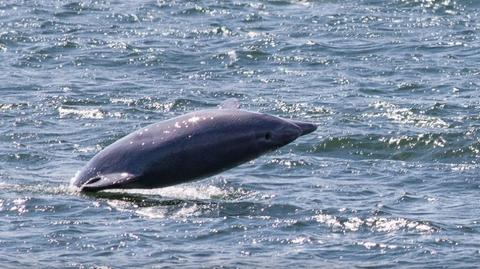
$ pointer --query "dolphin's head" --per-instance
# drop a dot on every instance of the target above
(235, 136)
(274, 132)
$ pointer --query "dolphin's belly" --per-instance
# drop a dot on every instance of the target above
(191, 158)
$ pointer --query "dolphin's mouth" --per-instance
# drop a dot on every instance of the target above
(107, 181)
(90, 185)
(305, 127)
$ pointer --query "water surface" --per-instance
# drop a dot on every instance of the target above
(389, 180)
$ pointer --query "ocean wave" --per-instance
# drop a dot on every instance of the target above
(93, 113)
(377, 224)
(405, 116)
(6, 106)
(188, 192)
(450, 7)
(444, 147)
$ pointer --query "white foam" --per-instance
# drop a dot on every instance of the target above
(233, 56)
(252, 34)
(157, 212)
(6, 106)
(152, 212)
(183, 192)
(370, 245)
(19, 205)
(42, 188)
(87, 149)
(379, 224)
(93, 113)
(353, 224)
(405, 116)
(165, 107)
(330, 220)
(126, 101)
(187, 211)
(434, 141)
(301, 240)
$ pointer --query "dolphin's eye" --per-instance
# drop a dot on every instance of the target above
(268, 135)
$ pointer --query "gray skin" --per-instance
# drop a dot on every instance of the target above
(186, 148)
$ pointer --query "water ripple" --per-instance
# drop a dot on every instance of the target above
(389, 179)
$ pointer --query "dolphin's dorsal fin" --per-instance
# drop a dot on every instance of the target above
(230, 103)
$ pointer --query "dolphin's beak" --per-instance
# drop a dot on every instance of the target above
(93, 184)
(106, 181)
(304, 126)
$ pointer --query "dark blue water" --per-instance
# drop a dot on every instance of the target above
(389, 180)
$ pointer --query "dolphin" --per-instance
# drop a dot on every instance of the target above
(186, 148)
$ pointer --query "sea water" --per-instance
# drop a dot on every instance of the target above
(389, 180)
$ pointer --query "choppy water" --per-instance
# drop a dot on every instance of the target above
(390, 179)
